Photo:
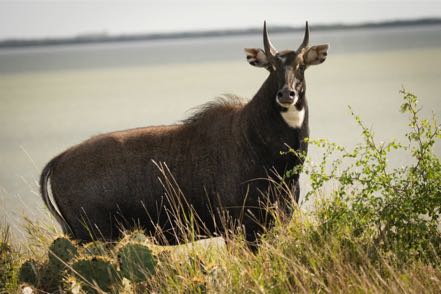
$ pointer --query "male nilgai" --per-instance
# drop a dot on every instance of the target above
(221, 159)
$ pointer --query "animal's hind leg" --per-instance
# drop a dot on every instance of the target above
(88, 227)
(296, 191)
(253, 231)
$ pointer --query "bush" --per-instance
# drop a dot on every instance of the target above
(8, 262)
(384, 208)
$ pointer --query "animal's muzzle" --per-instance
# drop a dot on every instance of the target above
(286, 96)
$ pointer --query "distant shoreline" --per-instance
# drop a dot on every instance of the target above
(104, 38)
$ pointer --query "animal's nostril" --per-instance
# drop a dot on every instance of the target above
(279, 94)
(292, 93)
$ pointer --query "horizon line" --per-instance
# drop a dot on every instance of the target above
(104, 37)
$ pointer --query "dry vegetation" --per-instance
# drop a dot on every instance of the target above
(376, 232)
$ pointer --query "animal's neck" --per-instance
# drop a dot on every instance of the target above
(266, 125)
(261, 107)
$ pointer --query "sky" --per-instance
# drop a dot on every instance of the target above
(64, 18)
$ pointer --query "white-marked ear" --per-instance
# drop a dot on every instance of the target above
(315, 54)
(256, 57)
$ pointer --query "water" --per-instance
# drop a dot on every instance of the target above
(54, 97)
(162, 52)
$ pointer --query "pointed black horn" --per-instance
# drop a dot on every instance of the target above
(305, 38)
(270, 51)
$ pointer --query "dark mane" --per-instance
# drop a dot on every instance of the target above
(209, 111)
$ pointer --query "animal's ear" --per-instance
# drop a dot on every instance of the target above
(315, 54)
(256, 57)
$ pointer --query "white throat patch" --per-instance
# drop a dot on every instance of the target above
(293, 117)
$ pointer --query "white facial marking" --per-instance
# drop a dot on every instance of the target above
(293, 117)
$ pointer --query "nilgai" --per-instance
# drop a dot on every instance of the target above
(217, 164)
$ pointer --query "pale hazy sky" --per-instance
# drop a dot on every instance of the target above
(38, 18)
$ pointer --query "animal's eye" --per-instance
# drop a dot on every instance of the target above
(281, 58)
(300, 71)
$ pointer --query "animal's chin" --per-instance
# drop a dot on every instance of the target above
(285, 105)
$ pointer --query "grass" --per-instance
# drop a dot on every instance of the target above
(295, 257)
(375, 232)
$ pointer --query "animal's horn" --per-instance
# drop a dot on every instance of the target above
(305, 38)
(270, 51)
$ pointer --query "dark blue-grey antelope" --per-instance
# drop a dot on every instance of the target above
(219, 161)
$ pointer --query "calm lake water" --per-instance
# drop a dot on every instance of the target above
(54, 97)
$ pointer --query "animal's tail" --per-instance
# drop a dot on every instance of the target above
(44, 180)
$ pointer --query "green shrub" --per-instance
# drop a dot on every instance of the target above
(8, 262)
(392, 209)
(6, 266)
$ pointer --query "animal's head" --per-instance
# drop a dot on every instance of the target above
(287, 66)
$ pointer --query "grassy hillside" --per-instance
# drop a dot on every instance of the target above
(374, 228)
